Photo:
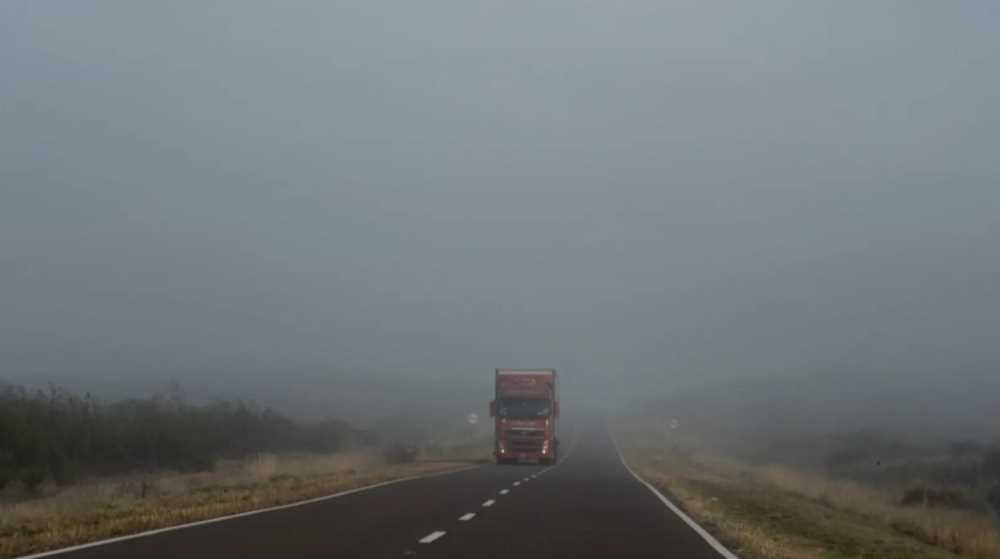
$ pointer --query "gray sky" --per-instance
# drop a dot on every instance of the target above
(345, 206)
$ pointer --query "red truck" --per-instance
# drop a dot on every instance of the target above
(525, 406)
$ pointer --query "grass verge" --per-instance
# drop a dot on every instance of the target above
(779, 513)
(108, 509)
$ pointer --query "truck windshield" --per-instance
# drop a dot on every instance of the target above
(523, 408)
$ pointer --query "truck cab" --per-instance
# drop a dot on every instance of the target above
(525, 411)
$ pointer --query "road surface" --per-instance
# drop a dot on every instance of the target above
(588, 505)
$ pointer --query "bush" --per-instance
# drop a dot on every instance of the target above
(8, 473)
(925, 496)
(991, 465)
(400, 453)
(965, 449)
(863, 449)
(59, 436)
(32, 477)
(993, 498)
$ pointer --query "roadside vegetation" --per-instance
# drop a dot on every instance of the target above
(74, 469)
(110, 507)
(470, 443)
(854, 501)
(54, 437)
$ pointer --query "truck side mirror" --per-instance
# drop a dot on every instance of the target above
(493, 408)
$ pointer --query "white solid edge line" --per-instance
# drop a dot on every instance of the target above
(466, 517)
(489, 503)
(429, 538)
(716, 545)
(237, 515)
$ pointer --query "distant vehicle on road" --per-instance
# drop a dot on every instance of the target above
(526, 407)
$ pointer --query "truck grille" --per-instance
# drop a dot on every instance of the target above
(525, 440)
(527, 433)
(525, 445)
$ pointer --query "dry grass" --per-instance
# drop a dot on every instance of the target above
(967, 533)
(110, 508)
(777, 512)
(473, 443)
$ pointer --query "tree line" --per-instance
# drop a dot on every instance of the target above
(60, 436)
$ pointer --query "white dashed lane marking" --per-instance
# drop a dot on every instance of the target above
(516, 483)
(429, 538)
(504, 491)
(489, 503)
(466, 517)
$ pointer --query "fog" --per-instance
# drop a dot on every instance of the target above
(786, 212)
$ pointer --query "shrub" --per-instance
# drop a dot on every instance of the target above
(32, 478)
(8, 473)
(991, 465)
(399, 453)
(59, 436)
(930, 497)
(993, 497)
(965, 449)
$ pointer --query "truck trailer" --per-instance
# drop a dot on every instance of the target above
(525, 408)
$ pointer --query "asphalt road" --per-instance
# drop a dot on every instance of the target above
(588, 505)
